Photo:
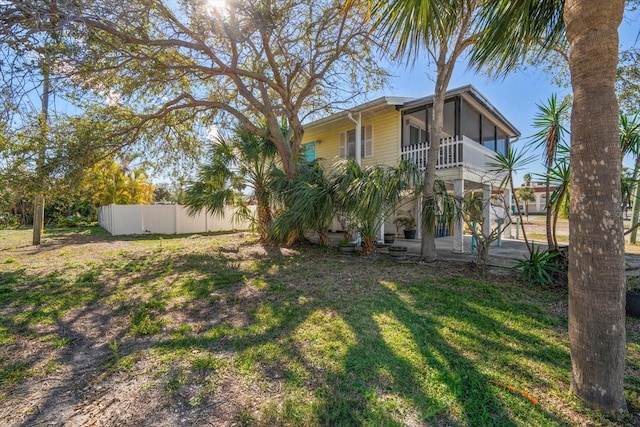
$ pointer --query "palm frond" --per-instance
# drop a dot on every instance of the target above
(514, 29)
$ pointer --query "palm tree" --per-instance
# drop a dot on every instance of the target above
(526, 194)
(371, 194)
(138, 187)
(596, 253)
(310, 202)
(527, 179)
(106, 183)
(445, 30)
(549, 120)
(243, 160)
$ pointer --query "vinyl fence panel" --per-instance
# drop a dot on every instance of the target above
(159, 219)
(121, 220)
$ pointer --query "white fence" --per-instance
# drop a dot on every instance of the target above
(121, 220)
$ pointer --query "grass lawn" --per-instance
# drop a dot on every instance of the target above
(219, 330)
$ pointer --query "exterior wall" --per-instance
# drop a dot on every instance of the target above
(386, 139)
(121, 220)
(540, 205)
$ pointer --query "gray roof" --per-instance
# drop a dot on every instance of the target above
(465, 90)
(396, 101)
(404, 103)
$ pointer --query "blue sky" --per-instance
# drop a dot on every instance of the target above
(515, 96)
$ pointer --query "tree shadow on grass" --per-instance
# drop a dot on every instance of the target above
(402, 350)
(409, 359)
(374, 367)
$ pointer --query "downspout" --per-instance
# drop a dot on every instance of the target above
(358, 123)
(358, 137)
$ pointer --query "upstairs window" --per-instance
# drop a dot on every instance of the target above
(348, 143)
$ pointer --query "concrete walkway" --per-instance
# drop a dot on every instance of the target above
(503, 256)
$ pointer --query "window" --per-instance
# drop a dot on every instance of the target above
(309, 150)
(348, 143)
(417, 135)
(502, 142)
(488, 134)
(470, 122)
(414, 130)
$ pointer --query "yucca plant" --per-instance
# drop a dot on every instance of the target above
(506, 165)
(539, 268)
(550, 120)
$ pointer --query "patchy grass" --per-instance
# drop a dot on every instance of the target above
(218, 329)
(543, 237)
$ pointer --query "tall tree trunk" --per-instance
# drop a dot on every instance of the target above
(428, 231)
(517, 203)
(596, 255)
(38, 205)
(428, 235)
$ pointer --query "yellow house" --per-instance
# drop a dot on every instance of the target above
(388, 129)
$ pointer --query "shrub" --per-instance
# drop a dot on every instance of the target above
(540, 268)
(73, 221)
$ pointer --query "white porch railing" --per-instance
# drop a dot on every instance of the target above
(454, 152)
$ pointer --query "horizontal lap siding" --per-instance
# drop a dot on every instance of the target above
(329, 146)
(386, 140)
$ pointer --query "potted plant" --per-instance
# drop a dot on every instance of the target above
(346, 246)
(632, 307)
(408, 223)
(389, 238)
(398, 252)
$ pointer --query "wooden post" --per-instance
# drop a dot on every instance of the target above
(38, 218)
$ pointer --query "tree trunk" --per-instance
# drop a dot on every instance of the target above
(264, 219)
(428, 244)
(38, 204)
(428, 233)
(517, 203)
(596, 252)
(550, 239)
(368, 246)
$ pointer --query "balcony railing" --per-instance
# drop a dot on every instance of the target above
(454, 152)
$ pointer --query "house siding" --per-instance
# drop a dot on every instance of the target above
(386, 139)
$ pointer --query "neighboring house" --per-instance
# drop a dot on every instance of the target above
(388, 129)
(540, 193)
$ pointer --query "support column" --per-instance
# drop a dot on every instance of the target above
(486, 212)
(458, 226)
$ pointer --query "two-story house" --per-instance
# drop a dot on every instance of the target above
(388, 129)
